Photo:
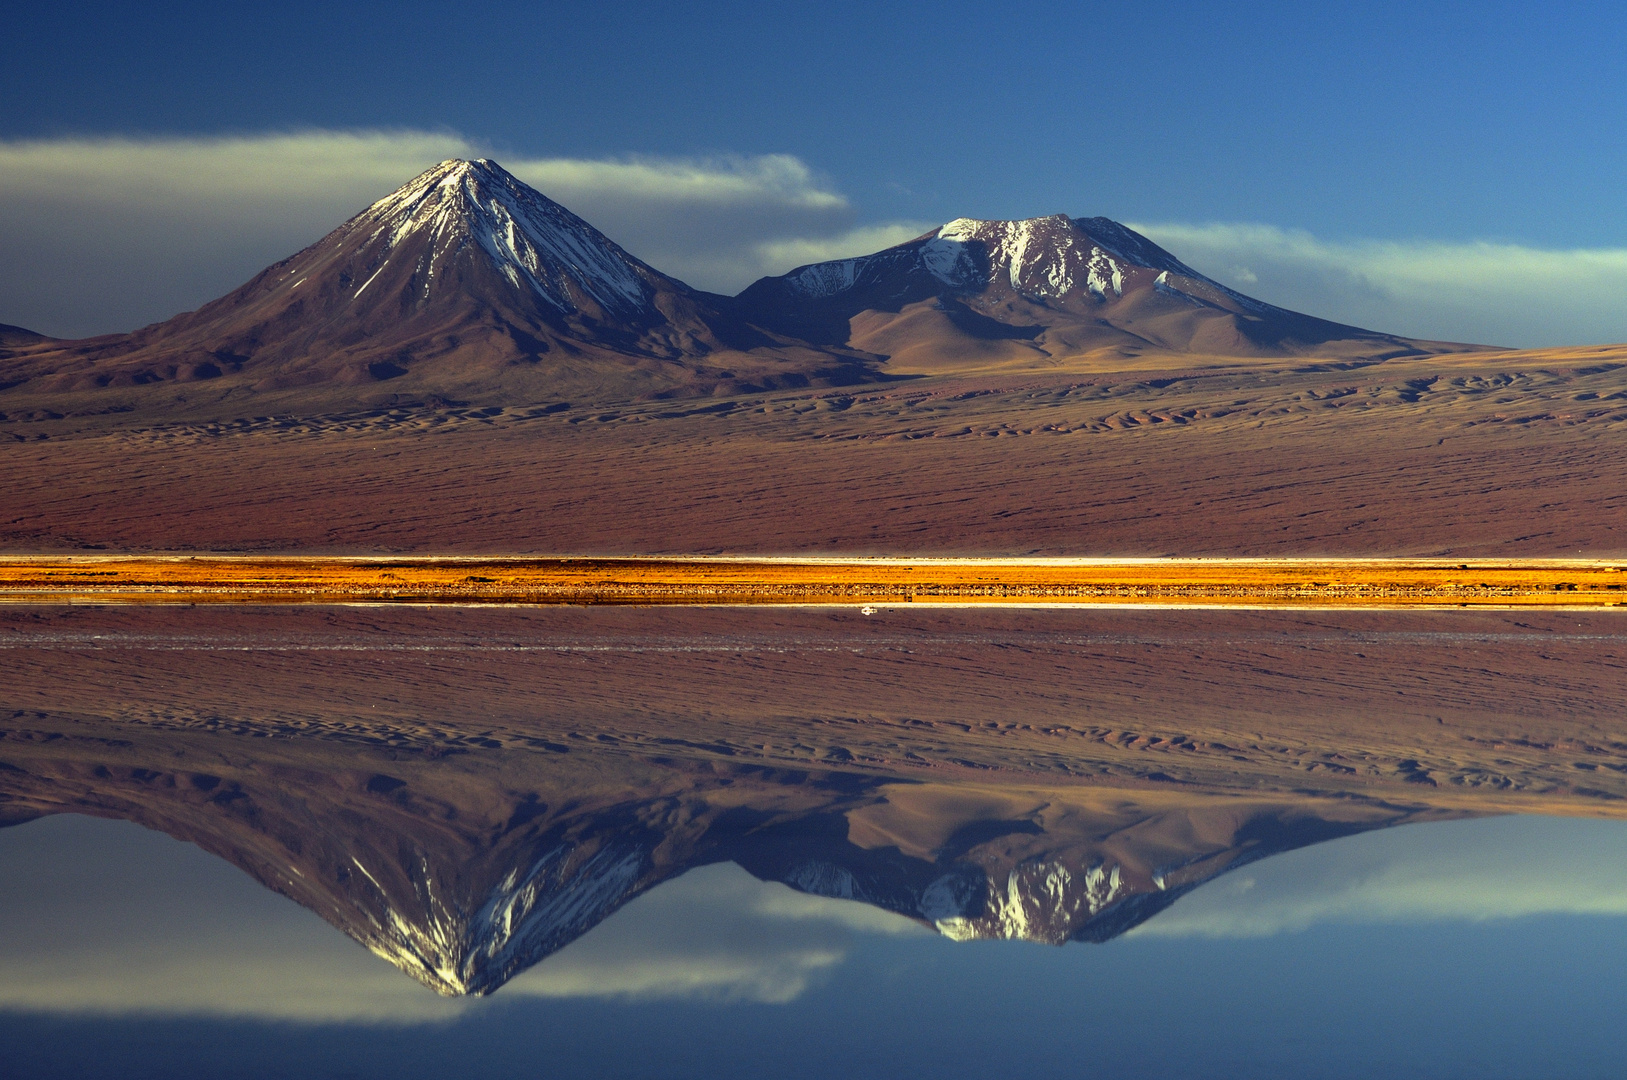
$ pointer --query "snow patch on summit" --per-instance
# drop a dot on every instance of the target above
(824, 279)
(1044, 258)
(532, 240)
(948, 256)
(1042, 901)
(456, 951)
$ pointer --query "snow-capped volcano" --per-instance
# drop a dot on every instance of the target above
(463, 262)
(1045, 287)
(1047, 257)
(464, 282)
(467, 284)
(469, 209)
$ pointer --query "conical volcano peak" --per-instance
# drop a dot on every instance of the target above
(455, 172)
(461, 206)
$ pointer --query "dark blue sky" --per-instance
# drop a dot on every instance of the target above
(1443, 170)
(1447, 120)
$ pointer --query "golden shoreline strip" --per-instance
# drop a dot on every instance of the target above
(1326, 583)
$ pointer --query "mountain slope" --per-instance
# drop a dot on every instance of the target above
(1037, 290)
(466, 285)
(464, 281)
(17, 335)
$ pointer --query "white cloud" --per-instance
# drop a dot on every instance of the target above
(1492, 293)
(1493, 868)
(230, 174)
(106, 234)
(282, 972)
(717, 223)
(771, 978)
(774, 178)
(108, 918)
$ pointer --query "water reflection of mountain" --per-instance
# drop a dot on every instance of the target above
(465, 869)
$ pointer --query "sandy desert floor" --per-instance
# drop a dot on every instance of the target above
(1492, 456)
(1478, 455)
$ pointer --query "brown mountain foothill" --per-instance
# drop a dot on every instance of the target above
(15, 336)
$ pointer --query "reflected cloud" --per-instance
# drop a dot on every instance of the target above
(716, 933)
(1494, 868)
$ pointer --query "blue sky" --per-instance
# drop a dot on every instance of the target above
(1304, 152)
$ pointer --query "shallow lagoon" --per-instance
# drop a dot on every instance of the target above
(671, 845)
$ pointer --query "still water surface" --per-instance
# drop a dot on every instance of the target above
(660, 843)
(1488, 947)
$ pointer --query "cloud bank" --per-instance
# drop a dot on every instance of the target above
(109, 234)
(717, 223)
(1489, 293)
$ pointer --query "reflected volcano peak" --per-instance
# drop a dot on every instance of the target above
(464, 871)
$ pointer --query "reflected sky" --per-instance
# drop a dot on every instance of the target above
(1488, 947)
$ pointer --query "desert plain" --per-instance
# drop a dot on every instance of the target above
(1485, 455)
(1492, 461)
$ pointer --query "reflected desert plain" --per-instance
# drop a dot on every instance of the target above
(810, 841)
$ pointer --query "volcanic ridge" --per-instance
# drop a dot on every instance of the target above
(468, 285)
